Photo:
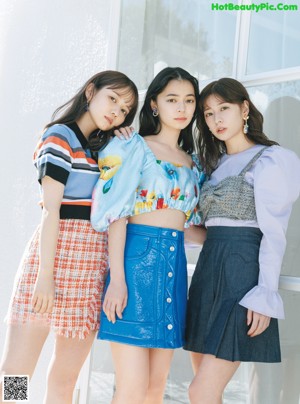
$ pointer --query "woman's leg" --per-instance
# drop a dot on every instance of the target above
(160, 362)
(196, 359)
(68, 357)
(131, 365)
(211, 379)
(22, 349)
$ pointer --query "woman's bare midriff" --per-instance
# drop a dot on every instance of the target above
(169, 218)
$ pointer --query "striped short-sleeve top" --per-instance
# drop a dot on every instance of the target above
(63, 154)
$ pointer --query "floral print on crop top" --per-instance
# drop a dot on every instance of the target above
(132, 181)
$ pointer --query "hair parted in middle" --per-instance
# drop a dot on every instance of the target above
(150, 125)
(231, 91)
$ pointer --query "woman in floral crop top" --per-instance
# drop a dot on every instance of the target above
(147, 194)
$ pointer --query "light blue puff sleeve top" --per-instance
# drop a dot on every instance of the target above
(132, 181)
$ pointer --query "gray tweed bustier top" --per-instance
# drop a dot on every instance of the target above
(232, 197)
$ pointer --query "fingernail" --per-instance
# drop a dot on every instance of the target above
(122, 137)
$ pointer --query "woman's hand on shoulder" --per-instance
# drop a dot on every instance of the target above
(43, 294)
(124, 132)
(115, 299)
(258, 323)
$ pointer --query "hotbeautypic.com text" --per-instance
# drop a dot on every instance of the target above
(254, 7)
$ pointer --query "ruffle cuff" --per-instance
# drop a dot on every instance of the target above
(264, 301)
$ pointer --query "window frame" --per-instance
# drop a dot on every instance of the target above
(266, 77)
(239, 57)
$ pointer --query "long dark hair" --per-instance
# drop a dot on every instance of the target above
(150, 125)
(232, 91)
(76, 106)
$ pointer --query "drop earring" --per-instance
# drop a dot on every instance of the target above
(246, 126)
(155, 112)
(86, 107)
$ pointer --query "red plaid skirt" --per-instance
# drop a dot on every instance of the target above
(80, 270)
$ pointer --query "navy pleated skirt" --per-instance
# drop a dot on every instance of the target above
(216, 324)
(156, 278)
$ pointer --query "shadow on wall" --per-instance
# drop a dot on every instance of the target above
(282, 122)
(279, 383)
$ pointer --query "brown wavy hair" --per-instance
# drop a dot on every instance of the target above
(231, 91)
(76, 106)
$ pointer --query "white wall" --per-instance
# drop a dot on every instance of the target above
(48, 49)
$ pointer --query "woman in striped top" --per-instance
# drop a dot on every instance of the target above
(60, 280)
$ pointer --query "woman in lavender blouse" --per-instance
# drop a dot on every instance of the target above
(245, 204)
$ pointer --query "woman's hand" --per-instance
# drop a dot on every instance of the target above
(44, 288)
(43, 294)
(124, 133)
(258, 323)
(116, 294)
(115, 300)
(195, 235)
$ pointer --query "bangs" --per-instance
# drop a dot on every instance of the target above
(131, 99)
(225, 90)
(221, 95)
(216, 95)
(127, 93)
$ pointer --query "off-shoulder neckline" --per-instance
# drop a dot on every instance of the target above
(166, 161)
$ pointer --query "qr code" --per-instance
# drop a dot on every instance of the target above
(15, 388)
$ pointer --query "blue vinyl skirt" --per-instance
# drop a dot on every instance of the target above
(156, 277)
(216, 323)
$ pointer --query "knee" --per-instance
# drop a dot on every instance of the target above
(63, 383)
(200, 394)
(134, 396)
(155, 391)
(12, 368)
(135, 393)
(193, 393)
(197, 394)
